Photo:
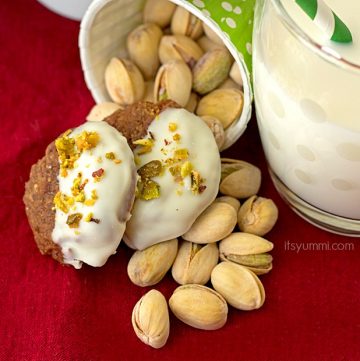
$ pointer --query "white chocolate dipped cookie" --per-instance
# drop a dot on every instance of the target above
(179, 173)
(96, 191)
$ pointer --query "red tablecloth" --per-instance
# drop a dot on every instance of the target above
(51, 312)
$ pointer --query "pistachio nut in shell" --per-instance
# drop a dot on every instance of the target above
(247, 250)
(142, 44)
(214, 224)
(179, 47)
(159, 12)
(149, 91)
(210, 33)
(102, 110)
(211, 70)
(240, 287)
(192, 102)
(257, 215)
(194, 263)
(150, 319)
(216, 128)
(149, 266)
(224, 104)
(206, 44)
(199, 306)
(124, 81)
(173, 81)
(185, 23)
(229, 200)
(239, 179)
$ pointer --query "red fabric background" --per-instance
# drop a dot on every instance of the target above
(50, 312)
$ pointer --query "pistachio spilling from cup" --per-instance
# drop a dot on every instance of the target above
(224, 246)
(174, 55)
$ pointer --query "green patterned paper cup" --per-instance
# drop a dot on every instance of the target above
(105, 26)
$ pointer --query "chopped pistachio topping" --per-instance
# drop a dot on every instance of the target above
(110, 156)
(65, 147)
(150, 169)
(87, 140)
(172, 127)
(63, 202)
(147, 189)
(70, 149)
(196, 182)
(80, 197)
(146, 145)
(175, 170)
(89, 202)
(186, 169)
(98, 174)
(78, 185)
(88, 217)
(94, 194)
(137, 160)
(181, 154)
(144, 142)
(73, 220)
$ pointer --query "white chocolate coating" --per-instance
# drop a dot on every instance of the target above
(91, 242)
(172, 214)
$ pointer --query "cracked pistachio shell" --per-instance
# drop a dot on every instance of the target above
(179, 47)
(228, 84)
(149, 266)
(194, 263)
(149, 91)
(159, 12)
(235, 74)
(211, 70)
(229, 200)
(124, 81)
(247, 250)
(102, 110)
(212, 35)
(199, 306)
(239, 179)
(192, 102)
(217, 129)
(150, 319)
(214, 224)
(240, 287)
(185, 23)
(224, 104)
(257, 215)
(206, 44)
(142, 44)
(173, 81)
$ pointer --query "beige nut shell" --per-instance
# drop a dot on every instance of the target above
(199, 306)
(214, 224)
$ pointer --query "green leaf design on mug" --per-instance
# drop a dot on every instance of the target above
(235, 18)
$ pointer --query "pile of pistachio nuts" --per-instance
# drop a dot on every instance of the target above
(224, 246)
(174, 55)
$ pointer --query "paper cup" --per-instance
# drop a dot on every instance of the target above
(107, 23)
